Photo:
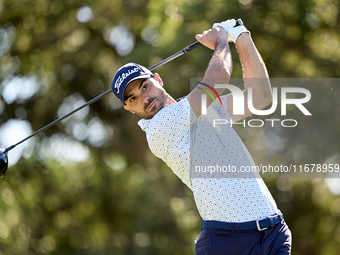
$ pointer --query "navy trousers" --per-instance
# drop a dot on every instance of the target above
(275, 240)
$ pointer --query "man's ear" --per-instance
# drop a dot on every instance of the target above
(128, 109)
(158, 78)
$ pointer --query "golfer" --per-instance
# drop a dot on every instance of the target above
(239, 214)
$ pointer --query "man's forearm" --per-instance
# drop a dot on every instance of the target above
(218, 71)
(254, 71)
(252, 63)
(219, 68)
(220, 65)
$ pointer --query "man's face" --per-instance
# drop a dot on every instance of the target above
(146, 97)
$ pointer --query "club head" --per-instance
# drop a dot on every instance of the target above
(3, 162)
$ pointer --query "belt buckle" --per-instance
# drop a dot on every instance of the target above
(259, 227)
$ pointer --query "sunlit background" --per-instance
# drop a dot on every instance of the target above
(90, 185)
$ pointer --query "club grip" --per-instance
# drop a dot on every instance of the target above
(191, 47)
(239, 22)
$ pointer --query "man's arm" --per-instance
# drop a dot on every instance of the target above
(219, 68)
(255, 76)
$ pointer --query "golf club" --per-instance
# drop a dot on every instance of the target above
(3, 152)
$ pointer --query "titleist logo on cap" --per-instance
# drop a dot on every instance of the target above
(121, 78)
(127, 74)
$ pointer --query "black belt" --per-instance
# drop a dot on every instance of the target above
(260, 225)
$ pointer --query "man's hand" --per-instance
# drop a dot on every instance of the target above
(233, 31)
(211, 37)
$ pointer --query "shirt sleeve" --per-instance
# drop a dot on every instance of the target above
(222, 109)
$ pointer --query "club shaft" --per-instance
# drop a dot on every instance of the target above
(186, 50)
(60, 119)
(176, 55)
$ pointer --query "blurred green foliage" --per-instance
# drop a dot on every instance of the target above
(117, 198)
